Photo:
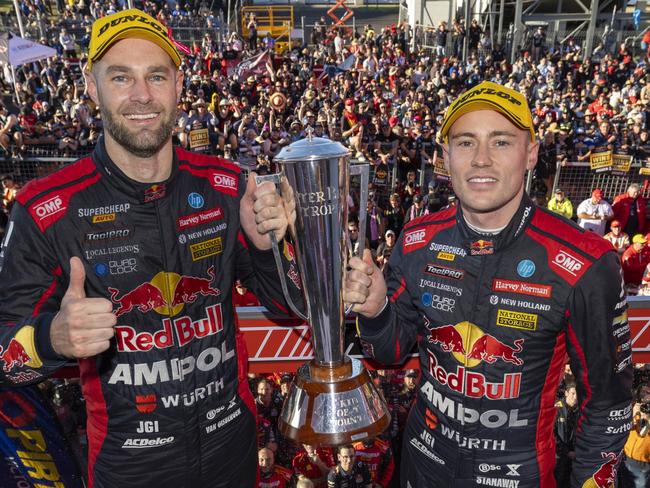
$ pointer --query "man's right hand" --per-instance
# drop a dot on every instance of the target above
(365, 287)
(84, 326)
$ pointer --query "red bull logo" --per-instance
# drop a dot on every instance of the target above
(605, 476)
(154, 192)
(14, 356)
(167, 293)
(470, 346)
(481, 247)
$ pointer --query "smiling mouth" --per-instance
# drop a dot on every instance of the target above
(477, 179)
(141, 116)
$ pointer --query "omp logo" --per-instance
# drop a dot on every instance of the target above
(414, 237)
(224, 181)
(49, 207)
(568, 262)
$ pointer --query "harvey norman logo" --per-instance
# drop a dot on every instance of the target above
(568, 262)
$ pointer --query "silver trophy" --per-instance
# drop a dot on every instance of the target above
(333, 400)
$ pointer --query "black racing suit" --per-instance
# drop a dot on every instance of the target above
(168, 403)
(494, 318)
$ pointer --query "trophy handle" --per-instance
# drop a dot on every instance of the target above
(275, 179)
(362, 169)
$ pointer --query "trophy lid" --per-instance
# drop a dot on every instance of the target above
(311, 148)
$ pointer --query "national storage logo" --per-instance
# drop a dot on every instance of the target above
(517, 320)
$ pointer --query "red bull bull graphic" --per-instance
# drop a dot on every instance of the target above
(154, 192)
(167, 293)
(470, 346)
(481, 247)
(605, 476)
(14, 356)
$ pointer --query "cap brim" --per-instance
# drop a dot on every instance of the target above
(137, 32)
(472, 105)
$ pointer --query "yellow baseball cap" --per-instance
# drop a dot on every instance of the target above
(490, 96)
(132, 23)
(639, 239)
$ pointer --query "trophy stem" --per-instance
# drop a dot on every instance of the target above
(330, 372)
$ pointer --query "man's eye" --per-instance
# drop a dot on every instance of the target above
(119, 78)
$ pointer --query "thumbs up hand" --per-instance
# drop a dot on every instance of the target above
(84, 326)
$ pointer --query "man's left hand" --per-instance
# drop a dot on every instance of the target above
(263, 210)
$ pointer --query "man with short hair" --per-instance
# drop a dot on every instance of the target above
(495, 292)
(634, 261)
(593, 213)
(348, 473)
(271, 475)
(630, 210)
(125, 261)
(619, 239)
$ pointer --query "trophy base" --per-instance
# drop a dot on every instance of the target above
(333, 405)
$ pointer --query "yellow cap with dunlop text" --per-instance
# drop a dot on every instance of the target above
(132, 23)
(490, 96)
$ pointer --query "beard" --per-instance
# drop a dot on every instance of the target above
(145, 142)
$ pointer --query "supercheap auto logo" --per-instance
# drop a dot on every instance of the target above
(470, 346)
(166, 293)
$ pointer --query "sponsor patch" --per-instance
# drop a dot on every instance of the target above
(456, 251)
(154, 192)
(446, 256)
(522, 288)
(195, 200)
(199, 218)
(145, 403)
(415, 239)
(109, 235)
(481, 247)
(205, 249)
(224, 182)
(98, 219)
(49, 207)
(444, 271)
(147, 443)
(526, 268)
(568, 262)
(516, 320)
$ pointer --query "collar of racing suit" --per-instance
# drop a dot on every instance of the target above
(142, 192)
(481, 244)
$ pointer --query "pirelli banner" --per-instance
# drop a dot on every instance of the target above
(607, 161)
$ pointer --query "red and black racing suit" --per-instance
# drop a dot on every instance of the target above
(168, 403)
(494, 318)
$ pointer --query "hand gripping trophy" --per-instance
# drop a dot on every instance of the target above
(333, 400)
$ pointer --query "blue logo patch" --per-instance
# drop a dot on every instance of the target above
(195, 200)
(101, 269)
(427, 299)
(526, 268)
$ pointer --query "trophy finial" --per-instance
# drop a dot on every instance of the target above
(310, 132)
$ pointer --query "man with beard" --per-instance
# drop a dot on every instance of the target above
(125, 260)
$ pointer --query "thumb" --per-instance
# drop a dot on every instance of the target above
(77, 279)
(251, 185)
(367, 258)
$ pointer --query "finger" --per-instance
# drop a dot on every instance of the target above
(356, 263)
(267, 200)
(77, 279)
(356, 276)
(272, 225)
(101, 335)
(251, 184)
(101, 321)
(97, 306)
(268, 213)
(266, 188)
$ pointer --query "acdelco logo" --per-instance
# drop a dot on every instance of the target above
(569, 263)
(414, 237)
(49, 207)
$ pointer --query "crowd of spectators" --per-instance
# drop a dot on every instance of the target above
(386, 104)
